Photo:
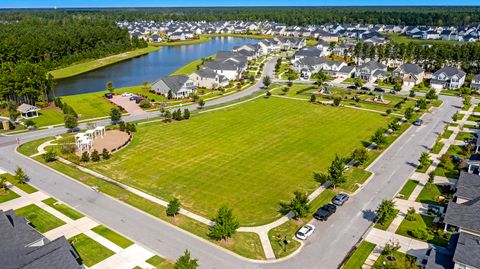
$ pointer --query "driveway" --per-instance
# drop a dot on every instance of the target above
(328, 245)
(130, 106)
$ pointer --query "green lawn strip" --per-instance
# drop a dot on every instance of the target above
(360, 255)
(408, 188)
(387, 222)
(397, 38)
(447, 134)
(31, 147)
(287, 230)
(158, 211)
(464, 135)
(450, 172)
(402, 260)
(63, 208)
(91, 252)
(437, 147)
(48, 116)
(473, 118)
(190, 67)
(90, 65)
(354, 175)
(116, 238)
(39, 218)
(7, 195)
(272, 125)
(436, 103)
(89, 105)
(160, 263)
(421, 222)
(23, 186)
(423, 168)
(199, 40)
(430, 194)
(477, 108)
(470, 126)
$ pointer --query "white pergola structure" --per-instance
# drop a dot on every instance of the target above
(90, 133)
(100, 130)
(83, 142)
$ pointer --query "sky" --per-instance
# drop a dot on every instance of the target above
(199, 3)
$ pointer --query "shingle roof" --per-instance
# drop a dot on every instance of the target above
(411, 69)
(464, 215)
(24, 108)
(175, 83)
(468, 250)
(468, 186)
(449, 71)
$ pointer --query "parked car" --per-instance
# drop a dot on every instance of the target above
(365, 88)
(378, 90)
(305, 231)
(352, 87)
(109, 95)
(418, 122)
(138, 100)
(393, 92)
(134, 98)
(325, 211)
(127, 94)
(340, 199)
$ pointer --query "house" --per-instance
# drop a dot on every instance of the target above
(228, 68)
(411, 74)
(475, 84)
(371, 71)
(346, 72)
(180, 86)
(177, 36)
(24, 247)
(28, 111)
(307, 52)
(448, 78)
(155, 38)
(327, 37)
(208, 78)
(462, 215)
(297, 43)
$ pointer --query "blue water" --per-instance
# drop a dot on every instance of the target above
(150, 67)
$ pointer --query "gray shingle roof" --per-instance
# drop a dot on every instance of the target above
(175, 83)
(468, 186)
(449, 71)
(413, 69)
(464, 215)
(468, 250)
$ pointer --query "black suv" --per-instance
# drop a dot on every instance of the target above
(325, 211)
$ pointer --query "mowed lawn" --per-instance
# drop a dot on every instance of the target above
(249, 157)
(89, 105)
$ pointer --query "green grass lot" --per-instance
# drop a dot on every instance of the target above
(89, 105)
(360, 255)
(268, 149)
(7, 195)
(289, 228)
(402, 261)
(23, 186)
(48, 116)
(39, 218)
(430, 194)
(63, 208)
(91, 252)
(190, 67)
(444, 172)
(477, 108)
(116, 238)
(160, 263)
(90, 65)
(422, 222)
(457, 151)
(199, 40)
(249, 247)
(387, 222)
(437, 147)
(408, 188)
(464, 135)
(396, 38)
(473, 118)
(312, 42)
(354, 177)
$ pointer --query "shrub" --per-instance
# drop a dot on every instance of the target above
(122, 126)
(168, 116)
(67, 148)
(186, 114)
(360, 155)
(29, 123)
(130, 127)
(313, 98)
(85, 157)
(336, 100)
(420, 233)
(95, 156)
(49, 156)
(410, 214)
(105, 154)
(145, 104)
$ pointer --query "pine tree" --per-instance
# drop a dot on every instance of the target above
(173, 207)
(186, 262)
(105, 154)
(85, 157)
(186, 114)
(20, 176)
(95, 156)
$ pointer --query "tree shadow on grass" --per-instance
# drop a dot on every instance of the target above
(369, 215)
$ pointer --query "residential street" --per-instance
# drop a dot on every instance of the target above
(327, 247)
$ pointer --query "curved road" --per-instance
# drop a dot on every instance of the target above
(327, 247)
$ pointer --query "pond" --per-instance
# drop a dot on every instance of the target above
(146, 68)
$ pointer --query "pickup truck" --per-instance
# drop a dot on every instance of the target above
(325, 211)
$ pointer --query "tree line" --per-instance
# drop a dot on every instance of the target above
(29, 48)
(288, 15)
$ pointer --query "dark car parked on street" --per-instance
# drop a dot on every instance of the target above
(378, 90)
(324, 212)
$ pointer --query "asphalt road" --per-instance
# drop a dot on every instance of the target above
(325, 249)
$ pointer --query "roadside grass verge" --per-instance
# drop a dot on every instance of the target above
(7, 195)
(464, 135)
(91, 252)
(430, 194)
(160, 263)
(387, 222)
(23, 186)
(116, 238)
(30, 148)
(407, 228)
(407, 189)
(437, 147)
(39, 218)
(360, 255)
(402, 260)
(63, 208)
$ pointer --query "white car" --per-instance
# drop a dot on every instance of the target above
(127, 94)
(305, 231)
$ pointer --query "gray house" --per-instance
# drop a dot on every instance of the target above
(24, 247)
(448, 77)
(371, 71)
(180, 86)
(475, 85)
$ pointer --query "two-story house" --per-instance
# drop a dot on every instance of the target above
(411, 74)
(208, 78)
(180, 86)
(371, 71)
(448, 77)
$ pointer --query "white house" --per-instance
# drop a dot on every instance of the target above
(448, 77)
(180, 86)
(208, 78)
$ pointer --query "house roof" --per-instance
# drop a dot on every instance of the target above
(439, 260)
(468, 250)
(175, 83)
(24, 108)
(464, 215)
(17, 251)
(413, 69)
(373, 65)
(347, 69)
(468, 186)
(209, 73)
(450, 71)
